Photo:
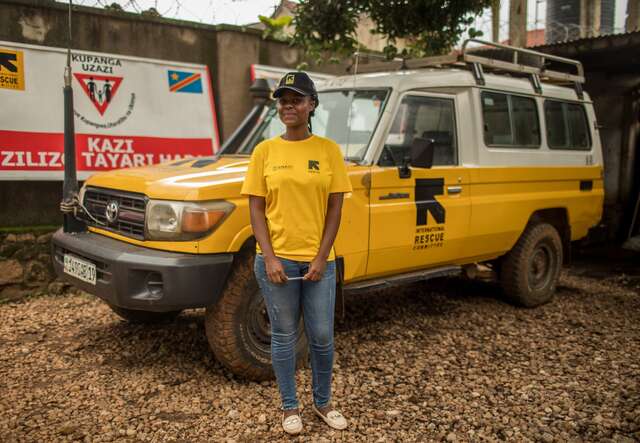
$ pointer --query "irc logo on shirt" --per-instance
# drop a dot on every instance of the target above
(314, 166)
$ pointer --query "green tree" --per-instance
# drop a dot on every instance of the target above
(430, 27)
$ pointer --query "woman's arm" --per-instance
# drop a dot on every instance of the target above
(331, 225)
(275, 271)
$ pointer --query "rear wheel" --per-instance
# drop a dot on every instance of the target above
(238, 327)
(529, 272)
(144, 317)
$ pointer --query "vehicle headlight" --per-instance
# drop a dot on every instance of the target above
(171, 220)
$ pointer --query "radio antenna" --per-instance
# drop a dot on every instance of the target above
(70, 184)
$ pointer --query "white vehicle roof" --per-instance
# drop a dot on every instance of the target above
(430, 78)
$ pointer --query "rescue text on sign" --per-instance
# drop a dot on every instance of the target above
(11, 69)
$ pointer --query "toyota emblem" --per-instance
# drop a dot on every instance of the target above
(111, 211)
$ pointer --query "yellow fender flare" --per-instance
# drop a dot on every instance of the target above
(241, 237)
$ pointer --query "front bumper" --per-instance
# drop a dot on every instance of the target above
(134, 277)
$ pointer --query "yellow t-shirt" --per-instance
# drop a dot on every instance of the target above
(296, 178)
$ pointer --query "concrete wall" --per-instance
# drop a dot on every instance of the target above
(613, 99)
(227, 50)
(613, 82)
(610, 100)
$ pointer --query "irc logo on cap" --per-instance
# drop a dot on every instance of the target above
(289, 79)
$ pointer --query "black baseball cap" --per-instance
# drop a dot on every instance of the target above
(298, 82)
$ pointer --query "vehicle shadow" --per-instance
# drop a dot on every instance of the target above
(182, 343)
(174, 344)
(439, 297)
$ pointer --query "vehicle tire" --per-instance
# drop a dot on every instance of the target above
(529, 272)
(238, 327)
(144, 317)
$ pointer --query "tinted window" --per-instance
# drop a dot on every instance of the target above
(567, 126)
(578, 127)
(510, 121)
(557, 136)
(525, 121)
(426, 117)
(497, 120)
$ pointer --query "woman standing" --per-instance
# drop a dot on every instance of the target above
(295, 183)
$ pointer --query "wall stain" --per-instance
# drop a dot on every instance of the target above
(34, 27)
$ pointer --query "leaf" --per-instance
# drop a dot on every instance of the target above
(427, 27)
(283, 21)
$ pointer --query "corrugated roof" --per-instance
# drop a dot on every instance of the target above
(607, 53)
(632, 37)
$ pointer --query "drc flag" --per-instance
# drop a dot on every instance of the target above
(180, 81)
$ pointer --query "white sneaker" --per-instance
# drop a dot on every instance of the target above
(333, 418)
(292, 424)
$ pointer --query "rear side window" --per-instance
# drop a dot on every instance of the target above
(510, 121)
(567, 126)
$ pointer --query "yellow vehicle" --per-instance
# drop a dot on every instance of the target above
(450, 167)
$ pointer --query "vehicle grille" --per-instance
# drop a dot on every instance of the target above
(131, 211)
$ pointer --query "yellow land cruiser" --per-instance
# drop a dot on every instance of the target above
(451, 166)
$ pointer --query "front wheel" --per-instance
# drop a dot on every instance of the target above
(238, 327)
(529, 272)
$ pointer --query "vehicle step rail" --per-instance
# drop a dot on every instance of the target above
(401, 279)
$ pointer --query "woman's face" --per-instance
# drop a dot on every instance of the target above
(294, 108)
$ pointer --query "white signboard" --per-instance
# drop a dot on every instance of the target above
(129, 111)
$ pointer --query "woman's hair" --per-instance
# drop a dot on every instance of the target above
(312, 113)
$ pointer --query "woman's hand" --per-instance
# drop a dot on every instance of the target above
(316, 269)
(274, 269)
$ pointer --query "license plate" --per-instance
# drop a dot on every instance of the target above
(80, 269)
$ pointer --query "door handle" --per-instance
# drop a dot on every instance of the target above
(393, 195)
(454, 189)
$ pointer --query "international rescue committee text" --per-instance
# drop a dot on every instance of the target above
(101, 153)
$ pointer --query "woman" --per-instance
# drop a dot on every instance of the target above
(295, 183)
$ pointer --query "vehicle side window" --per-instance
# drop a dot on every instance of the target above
(525, 121)
(567, 126)
(426, 117)
(510, 121)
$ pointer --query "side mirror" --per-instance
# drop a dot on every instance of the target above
(260, 91)
(419, 156)
(422, 152)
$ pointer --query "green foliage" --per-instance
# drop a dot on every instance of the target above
(326, 25)
(275, 27)
(428, 27)
(114, 7)
(151, 12)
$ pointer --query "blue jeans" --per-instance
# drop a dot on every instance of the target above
(284, 302)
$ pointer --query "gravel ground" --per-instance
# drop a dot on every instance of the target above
(445, 360)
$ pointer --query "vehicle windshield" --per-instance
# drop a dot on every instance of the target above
(347, 117)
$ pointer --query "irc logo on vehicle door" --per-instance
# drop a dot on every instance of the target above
(429, 236)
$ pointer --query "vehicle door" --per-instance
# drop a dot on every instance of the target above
(419, 216)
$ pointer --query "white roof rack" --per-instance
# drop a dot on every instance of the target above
(526, 62)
